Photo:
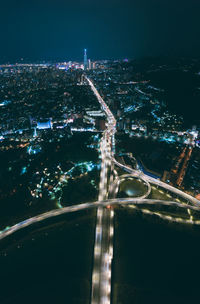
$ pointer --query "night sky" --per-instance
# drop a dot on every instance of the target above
(60, 29)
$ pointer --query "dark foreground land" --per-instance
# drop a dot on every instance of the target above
(50, 262)
(154, 261)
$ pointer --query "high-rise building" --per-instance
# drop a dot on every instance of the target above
(85, 60)
(89, 64)
(35, 132)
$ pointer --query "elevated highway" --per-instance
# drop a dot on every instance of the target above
(103, 204)
(159, 183)
(104, 231)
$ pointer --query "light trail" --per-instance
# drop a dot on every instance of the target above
(168, 217)
(101, 277)
(119, 179)
(104, 232)
(120, 201)
(159, 183)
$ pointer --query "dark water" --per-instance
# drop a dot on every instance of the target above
(51, 263)
(154, 261)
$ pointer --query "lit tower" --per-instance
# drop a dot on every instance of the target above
(89, 64)
(85, 60)
(35, 132)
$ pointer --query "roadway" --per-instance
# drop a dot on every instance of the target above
(103, 248)
(119, 179)
(157, 182)
(100, 205)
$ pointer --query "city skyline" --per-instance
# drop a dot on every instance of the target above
(99, 151)
(86, 153)
(49, 30)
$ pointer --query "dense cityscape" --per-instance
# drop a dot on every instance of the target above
(99, 152)
(47, 109)
(94, 135)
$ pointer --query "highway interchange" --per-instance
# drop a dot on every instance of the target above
(108, 189)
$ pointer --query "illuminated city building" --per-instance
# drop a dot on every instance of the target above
(35, 132)
(89, 64)
(44, 124)
(34, 149)
(85, 60)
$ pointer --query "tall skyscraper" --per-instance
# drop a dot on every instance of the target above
(89, 64)
(85, 60)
